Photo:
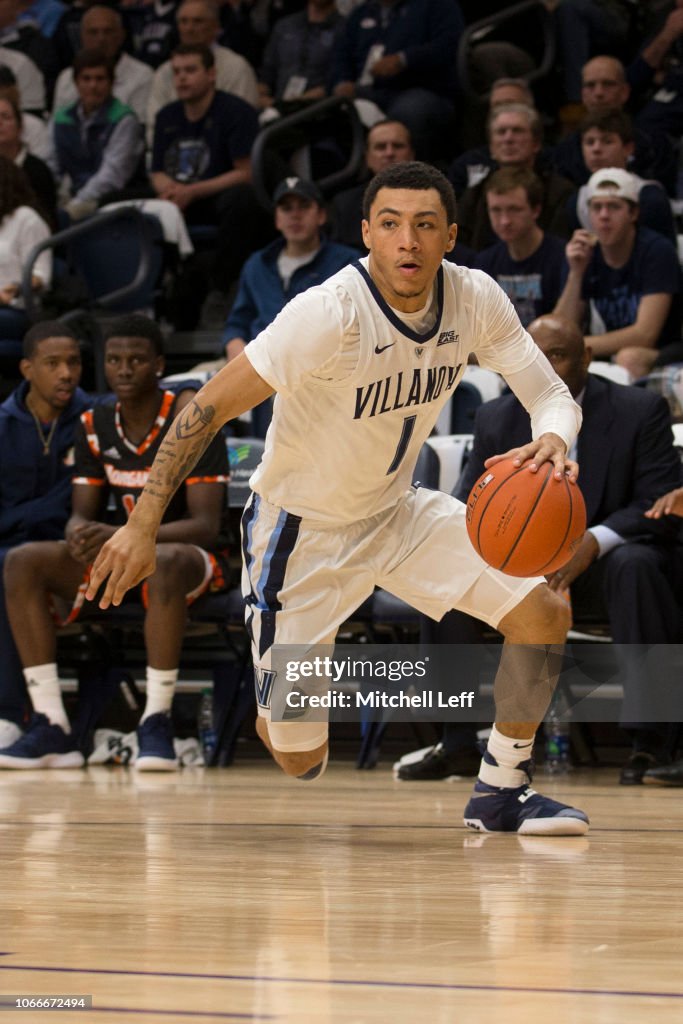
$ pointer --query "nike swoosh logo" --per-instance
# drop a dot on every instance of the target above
(522, 746)
(384, 347)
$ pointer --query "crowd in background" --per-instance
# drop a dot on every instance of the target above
(568, 186)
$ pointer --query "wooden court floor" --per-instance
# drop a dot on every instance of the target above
(239, 895)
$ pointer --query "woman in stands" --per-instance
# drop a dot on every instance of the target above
(21, 229)
(13, 146)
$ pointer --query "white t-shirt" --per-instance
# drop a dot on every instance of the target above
(359, 390)
(20, 232)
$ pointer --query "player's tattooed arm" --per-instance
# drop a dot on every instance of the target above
(191, 434)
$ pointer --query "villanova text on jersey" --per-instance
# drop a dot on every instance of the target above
(404, 389)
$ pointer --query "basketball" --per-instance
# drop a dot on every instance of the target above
(523, 523)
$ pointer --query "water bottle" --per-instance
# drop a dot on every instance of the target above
(205, 727)
(556, 728)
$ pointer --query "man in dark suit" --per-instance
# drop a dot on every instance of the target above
(623, 569)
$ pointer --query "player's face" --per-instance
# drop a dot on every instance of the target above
(299, 219)
(54, 371)
(511, 214)
(407, 235)
(604, 149)
(612, 218)
(191, 80)
(132, 367)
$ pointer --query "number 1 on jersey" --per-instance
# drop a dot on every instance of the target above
(403, 442)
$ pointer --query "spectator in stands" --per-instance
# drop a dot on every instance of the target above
(102, 29)
(26, 38)
(659, 63)
(37, 424)
(95, 143)
(34, 130)
(624, 568)
(297, 59)
(605, 88)
(201, 162)
(472, 166)
(38, 174)
(526, 262)
(115, 445)
(515, 138)
(21, 229)
(401, 57)
(199, 25)
(151, 27)
(298, 259)
(607, 141)
(388, 142)
(627, 275)
(45, 14)
(585, 27)
(28, 77)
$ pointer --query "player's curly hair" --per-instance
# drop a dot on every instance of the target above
(412, 174)
(15, 190)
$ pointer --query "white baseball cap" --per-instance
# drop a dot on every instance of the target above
(612, 181)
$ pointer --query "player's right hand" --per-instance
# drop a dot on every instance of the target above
(125, 560)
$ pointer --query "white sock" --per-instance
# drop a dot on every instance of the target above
(508, 752)
(45, 692)
(160, 689)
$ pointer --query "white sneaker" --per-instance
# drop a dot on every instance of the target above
(9, 733)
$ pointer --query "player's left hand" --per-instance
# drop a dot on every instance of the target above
(584, 556)
(546, 448)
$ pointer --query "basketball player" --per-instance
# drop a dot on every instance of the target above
(116, 442)
(362, 364)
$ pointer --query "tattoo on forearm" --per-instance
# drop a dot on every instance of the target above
(193, 420)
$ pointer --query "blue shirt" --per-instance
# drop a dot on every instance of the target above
(534, 284)
(616, 293)
(190, 151)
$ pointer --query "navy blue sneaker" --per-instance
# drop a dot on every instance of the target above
(522, 810)
(155, 742)
(43, 745)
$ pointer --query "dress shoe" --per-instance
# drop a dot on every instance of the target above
(437, 764)
(665, 775)
(637, 765)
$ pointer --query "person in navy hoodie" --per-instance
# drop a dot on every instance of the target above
(37, 424)
(301, 257)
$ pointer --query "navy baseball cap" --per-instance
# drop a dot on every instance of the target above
(298, 187)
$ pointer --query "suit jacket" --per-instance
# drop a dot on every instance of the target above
(625, 453)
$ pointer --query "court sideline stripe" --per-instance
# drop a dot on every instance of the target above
(430, 985)
(213, 1014)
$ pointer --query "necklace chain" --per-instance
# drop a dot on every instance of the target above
(45, 440)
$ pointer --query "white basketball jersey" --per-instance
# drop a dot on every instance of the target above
(359, 391)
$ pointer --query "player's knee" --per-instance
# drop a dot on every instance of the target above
(542, 617)
(26, 562)
(170, 575)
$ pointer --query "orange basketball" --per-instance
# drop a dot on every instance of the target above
(523, 523)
